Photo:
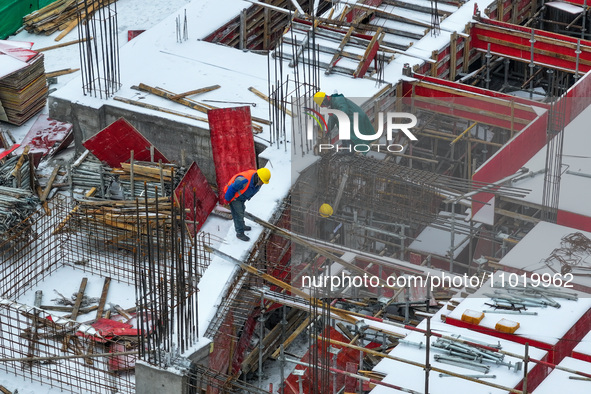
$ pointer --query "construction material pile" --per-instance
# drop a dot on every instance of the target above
(15, 206)
(61, 15)
(23, 92)
(16, 172)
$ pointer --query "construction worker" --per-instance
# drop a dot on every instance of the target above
(341, 103)
(242, 187)
(327, 228)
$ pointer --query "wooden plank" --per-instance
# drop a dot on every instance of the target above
(79, 297)
(20, 161)
(64, 71)
(99, 312)
(375, 40)
(292, 337)
(47, 189)
(196, 91)
(266, 98)
(337, 54)
(63, 44)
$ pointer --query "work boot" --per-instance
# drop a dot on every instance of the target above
(242, 237)
(247, 228)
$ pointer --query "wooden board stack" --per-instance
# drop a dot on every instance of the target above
(61, 15)
(23, 93)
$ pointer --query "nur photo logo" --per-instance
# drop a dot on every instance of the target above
(353, 136)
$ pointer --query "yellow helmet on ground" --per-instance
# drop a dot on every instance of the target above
(264, 174)
(319, 98)
(325, 210)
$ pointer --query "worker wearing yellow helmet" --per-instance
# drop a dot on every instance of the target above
(341, 103)
(241, 188)
(325, 211)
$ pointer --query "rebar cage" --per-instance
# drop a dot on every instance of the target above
(144, 245)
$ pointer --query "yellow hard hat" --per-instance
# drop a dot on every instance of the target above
(319, 97)
(264, 174)
(325, 210)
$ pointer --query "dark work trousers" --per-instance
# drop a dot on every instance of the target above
(237, 208)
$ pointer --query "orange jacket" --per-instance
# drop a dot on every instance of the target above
(248, 174)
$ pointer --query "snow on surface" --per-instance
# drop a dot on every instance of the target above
(529, 254)
(584, 346)
(66, 280)
(559, 381)
(575, 181)
(412, 377)
(548, 326)
(437, 240)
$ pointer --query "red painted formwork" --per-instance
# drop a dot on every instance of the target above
(550, 50)
(232, 143)
(244, 343)
(582, 356)
(346, 356)
(47, 135)
(199, 198)
(573, 220)
(475, 89)
(495, 111)
(113, 145)
(511, 157)
(8, 151)
(526, 144)
(556, 352)
(221, 349)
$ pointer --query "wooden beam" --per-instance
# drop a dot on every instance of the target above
(63, 44)
(79, 297)
(47, 189)
(103, 299)
(337, 54)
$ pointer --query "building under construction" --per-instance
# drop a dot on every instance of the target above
(458, 260)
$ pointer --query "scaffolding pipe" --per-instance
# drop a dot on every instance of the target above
(420, 365)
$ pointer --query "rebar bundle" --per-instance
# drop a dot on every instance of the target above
(99, 57)
(166, 280)
(15, 206)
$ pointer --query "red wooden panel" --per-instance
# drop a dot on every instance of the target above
(45, 134)
(511, 157)
(475, 89)
(6, 152)
(232, 143)
(131, 34)
(199, 197)
(114, 143)
(346, 356)
(554, 47)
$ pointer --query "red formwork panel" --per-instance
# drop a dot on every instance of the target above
(47, 135)
(199, 198)
(512, 41)
(232, 143)
(556, 352)
(114, 143)
(346, 358)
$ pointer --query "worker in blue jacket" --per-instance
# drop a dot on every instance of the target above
(242, 187)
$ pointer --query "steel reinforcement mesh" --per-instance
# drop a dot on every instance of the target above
(62, 353)
(117, 241)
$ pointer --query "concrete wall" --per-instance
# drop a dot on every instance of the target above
(168, 136)
(153, 380)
